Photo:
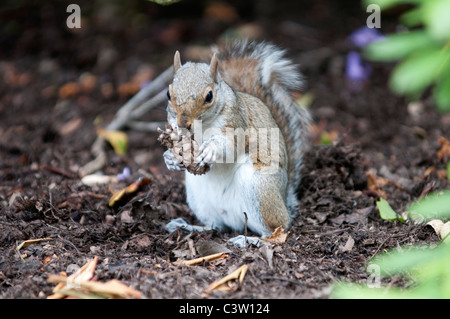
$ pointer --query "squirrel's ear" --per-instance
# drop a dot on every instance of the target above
(213, 67)
(176, 61)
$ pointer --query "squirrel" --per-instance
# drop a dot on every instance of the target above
(239, 97)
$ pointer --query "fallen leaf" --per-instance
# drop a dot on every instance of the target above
(117, 139)
(203, 259)
(267, 253)
(84, 289)
(306, 99)
(80, 285)
(238, 274)
(129, 190)
(29, 242)
(82, 274)
(386, 211)
(442, 229)
(348, 245)
(374, 183)
(277, 237)
(444, 151)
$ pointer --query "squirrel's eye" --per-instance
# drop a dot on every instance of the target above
(209, 97)
(168, 94)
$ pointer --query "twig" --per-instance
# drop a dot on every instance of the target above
(146, 99)
(158, 99)
(57, 170)
(145, 126)
(245, 226)
(124, 114)
(203, 259)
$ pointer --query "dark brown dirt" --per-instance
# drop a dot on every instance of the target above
(47, 128)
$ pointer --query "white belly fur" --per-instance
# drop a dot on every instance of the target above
(220, 197)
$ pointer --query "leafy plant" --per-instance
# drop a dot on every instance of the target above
(426, 267)
(423, 51)
(386, 211)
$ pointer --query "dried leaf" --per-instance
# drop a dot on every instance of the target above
(267, 253)
(80, 285)
(29, 242)
(202, 259)
(117, 139)
(444, 151)
(374, 183)
(111, 289)
(83, 274)
(238, 274)
(442, 229)
(277, 237)
(349, 244)
(129, 190)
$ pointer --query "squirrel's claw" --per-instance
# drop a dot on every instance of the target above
(172, 162)
(207, 154)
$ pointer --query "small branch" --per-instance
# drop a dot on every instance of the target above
(146, 99)
(145, 126)
(140, 110)
(154, 87)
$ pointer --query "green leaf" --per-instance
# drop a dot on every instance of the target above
(435, 205)
(358, 291)
(436, 18)
(413, 17)
(417, 72)
(386, 211)
(385, 4)
(442, 96)
(397, 46)
(396, 262)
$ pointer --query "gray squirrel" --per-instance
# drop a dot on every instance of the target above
(239, 104)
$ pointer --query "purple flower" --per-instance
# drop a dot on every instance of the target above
(124, 175)
(364, 35)
(356, 71)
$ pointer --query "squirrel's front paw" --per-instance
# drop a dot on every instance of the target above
(172, 162)
(208, 154)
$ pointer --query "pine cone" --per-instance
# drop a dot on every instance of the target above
(183, 145)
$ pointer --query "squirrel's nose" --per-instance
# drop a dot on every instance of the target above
(183, 122)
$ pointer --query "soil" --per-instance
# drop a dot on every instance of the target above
(58, 85)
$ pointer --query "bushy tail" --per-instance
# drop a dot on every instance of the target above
(261, 69)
